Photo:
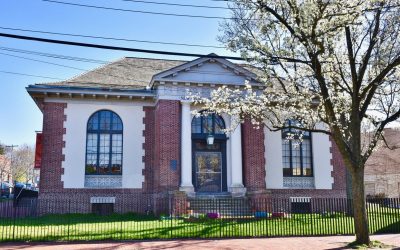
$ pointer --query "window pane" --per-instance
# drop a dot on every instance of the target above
(91, 147)
(306, 148)
(219, 124)
(307, 171)
(296, 160)
(117, 143)
(104, 143)
(105, 120)
(207, 125)
(91, 163)
(307, 157)
(116, 164)
(286, 158)
(116, 122)
(93, 123)
(196, 125)
(104, 160)
(287, 172)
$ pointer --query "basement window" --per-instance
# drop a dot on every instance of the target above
(102, 205)
(300, 205)
(103, 208)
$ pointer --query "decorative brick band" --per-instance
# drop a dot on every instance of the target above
(253, 157)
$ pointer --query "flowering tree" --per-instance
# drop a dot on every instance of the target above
(22, 161)
(321, 61)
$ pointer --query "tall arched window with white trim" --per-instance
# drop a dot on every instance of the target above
(104, 144)
(296, 154)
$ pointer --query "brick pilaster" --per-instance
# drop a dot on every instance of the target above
(167, 146)
(52, 156)
(253, 157)
(339, 169)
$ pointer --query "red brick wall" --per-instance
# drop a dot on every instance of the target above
(313, 193)
(148, 146)
(78, 201)
(162, 145)
(53, 131)
(253, 157)
(167, 146)
(339, 169)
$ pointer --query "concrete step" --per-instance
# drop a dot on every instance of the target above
(223, 206)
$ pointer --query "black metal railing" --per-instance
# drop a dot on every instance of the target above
(166, 217)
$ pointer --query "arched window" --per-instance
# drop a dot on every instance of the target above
(296, 157)
(104, 144)
(210, 124)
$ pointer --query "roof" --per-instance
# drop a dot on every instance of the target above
(126, 73)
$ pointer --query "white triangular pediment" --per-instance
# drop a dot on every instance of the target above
(208, 71)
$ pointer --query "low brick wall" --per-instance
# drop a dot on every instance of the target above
(124, 200)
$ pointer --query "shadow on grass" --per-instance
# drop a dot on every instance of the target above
(78, 233)
(390, 228)
(69, 219)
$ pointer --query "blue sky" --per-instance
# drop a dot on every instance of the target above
(19, 116)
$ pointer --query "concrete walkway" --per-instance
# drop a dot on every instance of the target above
(297, 243)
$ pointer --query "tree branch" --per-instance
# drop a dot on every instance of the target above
(372, 44)
(369, 92)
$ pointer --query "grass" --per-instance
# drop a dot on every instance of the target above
(130, 226)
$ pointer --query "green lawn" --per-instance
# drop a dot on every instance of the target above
(130, 226)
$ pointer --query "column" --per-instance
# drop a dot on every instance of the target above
(236, 188)
(186, 149)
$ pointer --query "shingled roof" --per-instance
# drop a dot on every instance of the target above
(126, 73)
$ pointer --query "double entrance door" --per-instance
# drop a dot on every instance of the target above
(209, 166)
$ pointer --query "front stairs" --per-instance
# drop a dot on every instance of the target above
(223, 205)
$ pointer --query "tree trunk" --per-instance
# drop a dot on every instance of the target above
(359, 206)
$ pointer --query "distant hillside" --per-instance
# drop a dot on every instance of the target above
(384, 160)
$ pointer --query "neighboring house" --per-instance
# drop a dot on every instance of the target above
(382, 170)
(125, 131)
(5, 169)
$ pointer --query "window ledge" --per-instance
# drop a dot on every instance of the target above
(103, 181)
(299, 182)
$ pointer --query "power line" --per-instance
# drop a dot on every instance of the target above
(35, 60)
(178, 4)
(80, 59)
(111, 38)
(219, 0)
(57, 56)
(137, 11)
(70, 67)
(99, 46)
(23, 74)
